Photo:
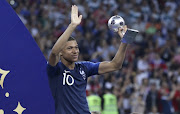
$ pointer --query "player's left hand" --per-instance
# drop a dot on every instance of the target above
(122, 31)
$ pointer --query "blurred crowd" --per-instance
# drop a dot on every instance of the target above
(149, 81)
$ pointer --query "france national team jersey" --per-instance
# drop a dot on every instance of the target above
(69, 86)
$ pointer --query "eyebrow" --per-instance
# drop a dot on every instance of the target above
(72, 46)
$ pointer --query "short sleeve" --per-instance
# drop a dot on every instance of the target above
(92, 68)
(52, 70)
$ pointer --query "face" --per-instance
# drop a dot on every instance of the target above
(71, 51)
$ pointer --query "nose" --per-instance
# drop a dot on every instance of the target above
(74, 50)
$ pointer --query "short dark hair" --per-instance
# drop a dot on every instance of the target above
(71, 38)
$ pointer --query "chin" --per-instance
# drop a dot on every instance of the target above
(75, 60)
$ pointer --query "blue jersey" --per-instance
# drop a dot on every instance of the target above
(69, 86)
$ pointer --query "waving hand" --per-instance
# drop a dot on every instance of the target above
(75, 19)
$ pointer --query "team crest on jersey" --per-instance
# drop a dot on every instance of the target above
(82, 73)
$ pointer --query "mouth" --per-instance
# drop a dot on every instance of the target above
(75, 56)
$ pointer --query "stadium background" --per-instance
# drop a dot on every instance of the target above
(151, 63)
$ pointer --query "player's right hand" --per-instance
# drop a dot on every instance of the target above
(75, 19)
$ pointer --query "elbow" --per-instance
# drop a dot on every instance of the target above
(117, 66)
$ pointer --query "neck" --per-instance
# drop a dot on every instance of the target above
(68, 64)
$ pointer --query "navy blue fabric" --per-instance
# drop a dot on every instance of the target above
(27, 81)
(69, 86)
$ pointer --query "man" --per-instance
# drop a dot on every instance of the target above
(94, 102)
(68, 78)
(109, 102)
(152, 98)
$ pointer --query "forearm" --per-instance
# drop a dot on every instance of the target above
(63, 39)
(60, 43)
(120, 55)
(116, 63)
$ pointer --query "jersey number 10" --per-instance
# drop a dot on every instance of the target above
(66, 79)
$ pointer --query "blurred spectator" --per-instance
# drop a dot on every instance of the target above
(138, 104)
(154, 111)
(109, 102)
(165, 101)
(152, 98)
(175, 96)
(94, 102)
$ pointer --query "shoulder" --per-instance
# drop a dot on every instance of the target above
(51, 68)
(82, 62)
(89, 67)
(86, 63)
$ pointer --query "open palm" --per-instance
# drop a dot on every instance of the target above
(74, 15)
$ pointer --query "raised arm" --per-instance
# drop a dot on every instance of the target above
(60, 43)
(117, 61)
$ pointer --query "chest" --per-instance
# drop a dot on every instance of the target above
(73, 78)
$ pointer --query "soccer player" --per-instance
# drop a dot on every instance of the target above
(68, 78)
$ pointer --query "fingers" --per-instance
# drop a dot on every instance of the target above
(80, 17)
(75, 19)
(125, 28)
(74, 9)
(122, 30)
